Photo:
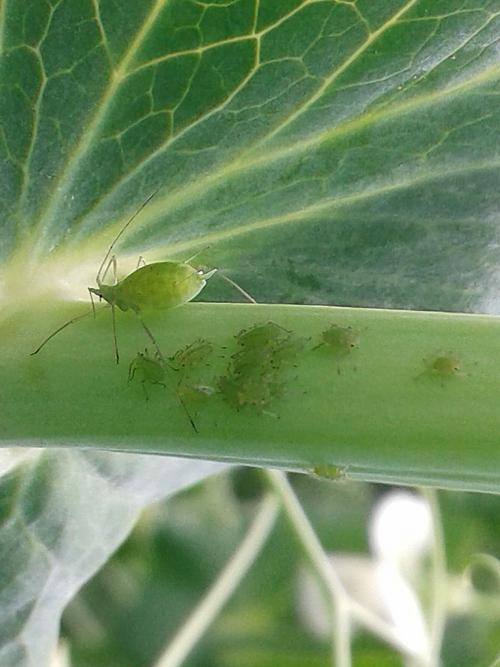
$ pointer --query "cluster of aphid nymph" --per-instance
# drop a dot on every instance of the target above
(154, 370)
(254, 376)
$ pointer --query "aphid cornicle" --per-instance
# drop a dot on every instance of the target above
(154, 286)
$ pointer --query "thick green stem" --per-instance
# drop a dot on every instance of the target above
(387, 410)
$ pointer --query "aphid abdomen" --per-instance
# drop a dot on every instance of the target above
(159, 285)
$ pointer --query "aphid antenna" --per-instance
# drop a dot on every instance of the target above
(243, 292)
(187, 261)
(121, 232)
(92, 301)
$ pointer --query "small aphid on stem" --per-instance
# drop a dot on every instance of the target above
(148, 370)
(328, 472)
(153, 371)
(261, 335)
(443, 367)
(340, 341)
(192, 355)
(254, 376)
(258, 392)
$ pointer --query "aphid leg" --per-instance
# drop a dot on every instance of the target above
(131, 371)
(162, 359)
(54, 333)
(115, 340)
(184, 407)
(92, 301)
(146, 395)
(140, 262)
(153, 340)
(111, 263)
(240, 289)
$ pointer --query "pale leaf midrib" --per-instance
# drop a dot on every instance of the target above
(66, 174)
(71, 165)
(310, 213)
(218, 174)
(384, 114)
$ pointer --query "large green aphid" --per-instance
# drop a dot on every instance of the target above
(149, 287)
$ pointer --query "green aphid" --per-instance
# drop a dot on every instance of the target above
(241, 391)
(287, 351)
(152, 371)
(261, 335)
(148, 370)
(154, 286)
(329, 472)
(340, 341)
(443, 367)
(228, 387)
(192, 355)
(253, 377)
(252, 361)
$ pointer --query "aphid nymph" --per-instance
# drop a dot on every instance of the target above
(148, 370)
(150, 287)
(261, 335)
(340, 341)
(192, 355)
(153, 370)
(442, 367)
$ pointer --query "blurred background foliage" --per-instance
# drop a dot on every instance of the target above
(126, 615)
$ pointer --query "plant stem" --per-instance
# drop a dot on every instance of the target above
(439, 577)
(223, 587)
(308, 538)
(343, 605)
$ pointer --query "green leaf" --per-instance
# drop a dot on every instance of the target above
(62, 514)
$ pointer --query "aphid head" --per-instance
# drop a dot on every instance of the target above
(105, 292)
